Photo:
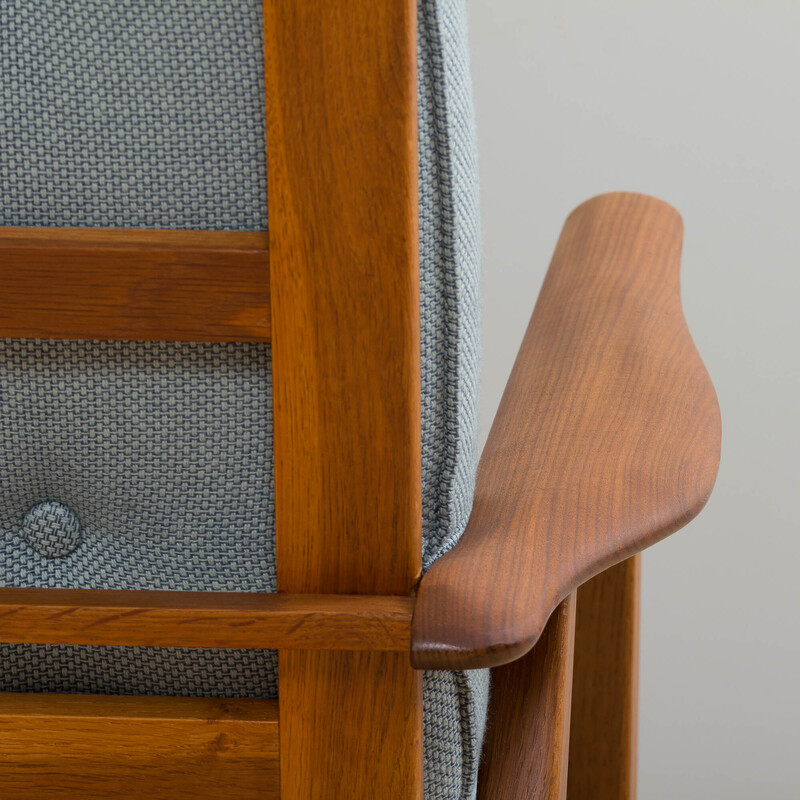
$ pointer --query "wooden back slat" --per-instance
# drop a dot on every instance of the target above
(97, 283)
(342, 165)
(205, 619)
(173, 748)
(344, 259)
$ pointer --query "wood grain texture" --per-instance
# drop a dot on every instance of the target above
(98, 283)
(176, 748)
(350, 726)
(606, 440)
(342, 155)
(526, 748)
(342, 168)
(205, 619)
(605, 698)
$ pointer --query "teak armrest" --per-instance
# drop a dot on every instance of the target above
(607, 439)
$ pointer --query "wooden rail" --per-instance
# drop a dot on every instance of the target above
(98, 283)
(205, 619)
(173, 748)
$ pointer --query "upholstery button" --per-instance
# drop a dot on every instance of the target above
(52, 529)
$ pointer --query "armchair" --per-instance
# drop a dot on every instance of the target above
(238, 451)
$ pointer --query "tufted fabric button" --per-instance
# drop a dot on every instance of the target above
(52, 529)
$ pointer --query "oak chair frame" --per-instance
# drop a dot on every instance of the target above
(607, 439)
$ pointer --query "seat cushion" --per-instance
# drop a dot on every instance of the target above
(149, 465)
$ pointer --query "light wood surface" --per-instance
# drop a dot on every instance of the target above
(526, 748)
(98, 283)
(606, 440)
(342, 171)
(603, 745)
(205, 619)
(177, 748)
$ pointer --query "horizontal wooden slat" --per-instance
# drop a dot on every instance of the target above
(92, 746)
(98, 283)
(205, 619)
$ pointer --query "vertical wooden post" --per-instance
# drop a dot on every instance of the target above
(342, 173)
(527, 739)
(605, 697)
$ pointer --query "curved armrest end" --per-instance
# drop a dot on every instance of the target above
(607, 439)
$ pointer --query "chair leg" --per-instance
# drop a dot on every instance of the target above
(350, 726)
(526, 746)
(603, 739)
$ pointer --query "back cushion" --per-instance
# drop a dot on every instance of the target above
(132, 114)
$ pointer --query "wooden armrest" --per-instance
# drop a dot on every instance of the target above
(607, 439)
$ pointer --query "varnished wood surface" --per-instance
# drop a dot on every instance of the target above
(354, 721)
(98, 283)
(205, 619)
(79, 747)
(342, 170)
(342, 155)
(605, 698)
(526, 747)
(606, 440)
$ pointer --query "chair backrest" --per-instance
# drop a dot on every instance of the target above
(334, 286)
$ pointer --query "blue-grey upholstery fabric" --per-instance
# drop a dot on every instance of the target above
(455, 702)
(148, 465)
(132, 114)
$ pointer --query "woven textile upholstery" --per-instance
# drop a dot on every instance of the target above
(144, 465)
(52, 529)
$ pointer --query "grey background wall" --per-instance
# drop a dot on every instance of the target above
(696, 102)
